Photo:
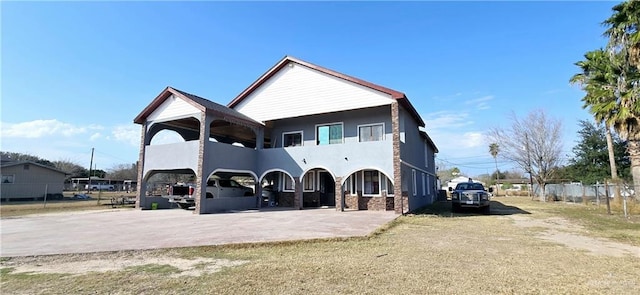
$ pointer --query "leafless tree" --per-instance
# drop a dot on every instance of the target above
(533, 143)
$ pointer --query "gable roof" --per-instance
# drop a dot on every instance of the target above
(200, 103)
(397, 95)
(18, 163)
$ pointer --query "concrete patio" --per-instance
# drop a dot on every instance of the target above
(123, 229)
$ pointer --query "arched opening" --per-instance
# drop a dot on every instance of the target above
(277, 189)
(318, 189)
(179, 130)
(167, 189)
(368, 189)
(229, 133)
(165, 137)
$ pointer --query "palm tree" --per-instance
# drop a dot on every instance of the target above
(599, 79)
(624, 47)
(623, 32)
(494, 149)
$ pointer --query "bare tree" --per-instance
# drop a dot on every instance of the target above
(533, 143)
(124, 172)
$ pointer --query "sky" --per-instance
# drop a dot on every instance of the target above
(74, 75)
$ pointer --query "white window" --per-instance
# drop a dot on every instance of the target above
(424, 185)
(292, 138)
(426, 155)
(371, 182)
(386, 184)
(353, 183)
(308, 182)
(415, 182)
(329, 134)
(373, 132)
(8, 178)
(287, 183)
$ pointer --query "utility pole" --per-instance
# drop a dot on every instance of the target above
(90, 165)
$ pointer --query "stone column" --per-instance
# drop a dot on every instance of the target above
(339, 194)
(397, 169)
(297, 195)
(203, 166)
(141, 186)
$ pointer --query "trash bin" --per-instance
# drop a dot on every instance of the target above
(154, 206)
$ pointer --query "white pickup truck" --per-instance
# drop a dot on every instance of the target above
(99, 187)
(182, 194)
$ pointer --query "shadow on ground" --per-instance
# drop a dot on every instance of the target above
(443, 209)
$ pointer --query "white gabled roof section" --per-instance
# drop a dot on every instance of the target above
(173, 107)
(297, 90)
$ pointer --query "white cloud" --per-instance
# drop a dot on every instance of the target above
(95, 136)
(127, 133)
(481, 103)
(43, 128)
(447, 119)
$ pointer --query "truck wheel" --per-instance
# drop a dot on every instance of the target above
(209, 196)
(486, 210)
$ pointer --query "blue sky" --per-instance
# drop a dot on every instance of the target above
(75, 74)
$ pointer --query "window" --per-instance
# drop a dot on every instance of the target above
(386, 184)
(353, 183)
(287, 183)
(329, 134)
(292, 138)
(308, 182)
(415, 182)
(371, 182)
(7, 178)
(428, 185)
(25, 167)
(374, 132)
(424, 186)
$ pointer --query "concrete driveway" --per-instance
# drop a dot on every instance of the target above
(113, 230)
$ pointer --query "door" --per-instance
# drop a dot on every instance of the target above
(327, 189)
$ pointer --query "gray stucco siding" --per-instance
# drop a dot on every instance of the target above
(362, 155)
(350, 120)
(171, 156)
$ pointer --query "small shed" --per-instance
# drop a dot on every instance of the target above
(26, 180)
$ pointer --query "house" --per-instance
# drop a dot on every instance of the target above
(26, 180)
(314, 136)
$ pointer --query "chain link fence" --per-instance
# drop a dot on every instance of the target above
(618, 194)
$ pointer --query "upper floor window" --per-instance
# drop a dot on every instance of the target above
(292, 138)
(329, 134)
(373, 132)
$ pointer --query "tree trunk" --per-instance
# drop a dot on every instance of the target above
(542, 192)
(612, 161)
(612, 157)
(634, 154)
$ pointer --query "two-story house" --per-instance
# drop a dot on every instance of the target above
(312, 135)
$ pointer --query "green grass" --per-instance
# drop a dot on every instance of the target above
(431, 252)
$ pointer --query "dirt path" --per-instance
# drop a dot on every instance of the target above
(564, 232)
